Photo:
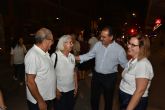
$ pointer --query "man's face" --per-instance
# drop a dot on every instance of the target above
(49, 42)
(106, 39)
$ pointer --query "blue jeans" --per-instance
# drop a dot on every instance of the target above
(125, 98)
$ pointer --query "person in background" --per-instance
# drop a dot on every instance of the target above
(83, 68)
(2, 103)
(18, 51)
(76, 45)
(40, 74)
(108, 54)
(137, 76)
(66, 74)
(92, 41)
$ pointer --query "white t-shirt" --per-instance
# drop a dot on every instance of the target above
(18, 54)
(64, 71)
(136, 69)
(39, 63)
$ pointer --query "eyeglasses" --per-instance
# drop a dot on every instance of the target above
(50, 39)
(132, 45)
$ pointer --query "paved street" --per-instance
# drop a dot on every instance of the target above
(15, 97)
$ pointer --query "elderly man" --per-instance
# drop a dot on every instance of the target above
(108, 54)
(40, 74)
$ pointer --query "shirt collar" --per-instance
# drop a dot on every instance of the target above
(63, 54)
(111, 44)
(40, 50)
(133, 61)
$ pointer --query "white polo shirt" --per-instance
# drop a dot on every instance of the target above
(38, 62)
(136, 69)
(64, 71)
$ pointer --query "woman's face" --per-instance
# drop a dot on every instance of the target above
(68, 45)
(133, 47)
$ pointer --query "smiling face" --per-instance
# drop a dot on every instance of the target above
(133, 47)
(106, 39)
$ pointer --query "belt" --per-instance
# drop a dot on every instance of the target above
(106, 73)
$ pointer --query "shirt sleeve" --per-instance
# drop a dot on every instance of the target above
(143, 70)
(122, 58)
(31, 64)
(91, 54)
(24, 49)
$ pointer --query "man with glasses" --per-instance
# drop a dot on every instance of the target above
(40, 77)
(108, 54)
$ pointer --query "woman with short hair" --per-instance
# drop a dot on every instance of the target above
(65, 73)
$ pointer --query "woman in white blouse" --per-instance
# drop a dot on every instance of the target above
(18, 51)
(65, 74)
(137, 76)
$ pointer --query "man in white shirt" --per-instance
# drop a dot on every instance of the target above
(40, 74)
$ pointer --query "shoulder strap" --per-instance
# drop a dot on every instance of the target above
(55, 60)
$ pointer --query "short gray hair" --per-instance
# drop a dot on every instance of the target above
(42, 34)
(63, 39)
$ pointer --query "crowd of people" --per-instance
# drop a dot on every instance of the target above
(52, 80)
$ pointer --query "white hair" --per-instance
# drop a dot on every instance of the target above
(42, 34)
(63, 39)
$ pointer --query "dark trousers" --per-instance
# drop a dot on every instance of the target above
(124, 99)
(102, 83)
(50, 105)
(19, 71)
(66, 102)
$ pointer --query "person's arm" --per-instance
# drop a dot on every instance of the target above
(30, 81)
(123, 58)
(141, 85)
(24, 49)
(75, 81)
(85, 57)
(2, 104)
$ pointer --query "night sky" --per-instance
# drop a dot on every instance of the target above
(73, 12)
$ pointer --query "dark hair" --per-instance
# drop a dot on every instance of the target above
(109, 28)
(110, 31)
